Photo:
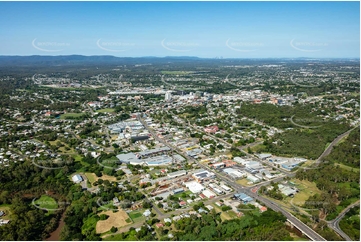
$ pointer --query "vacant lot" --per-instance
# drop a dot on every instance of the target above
(109, 178)
(91, 177)
(116, 219)
(244, 182)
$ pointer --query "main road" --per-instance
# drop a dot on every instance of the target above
(292, 219)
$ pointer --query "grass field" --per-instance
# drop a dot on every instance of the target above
(306, 189)
(109, 178)
(106, 110)
(91, 177)
(137, 215)
(243, 182)
(71, 115)
(7, 210)
(116, 219)
(46, 202)
(349, 168)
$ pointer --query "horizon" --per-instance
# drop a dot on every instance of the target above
(228, 30)
(184, 56)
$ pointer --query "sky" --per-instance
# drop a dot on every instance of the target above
(202, 29)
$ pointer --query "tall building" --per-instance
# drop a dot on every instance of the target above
(168, 96)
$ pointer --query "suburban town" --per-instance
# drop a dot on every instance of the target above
(146, 152)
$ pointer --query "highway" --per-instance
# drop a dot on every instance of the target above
(334, 224)
(292, 219)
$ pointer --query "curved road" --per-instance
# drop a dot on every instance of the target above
(334, 224)
(333, 143)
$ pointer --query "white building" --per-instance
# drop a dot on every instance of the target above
(77, 178)
(194, 186)
(168, 96)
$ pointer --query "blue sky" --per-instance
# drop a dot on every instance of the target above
(203, 29)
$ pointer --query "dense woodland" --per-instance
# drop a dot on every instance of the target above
(347, 152)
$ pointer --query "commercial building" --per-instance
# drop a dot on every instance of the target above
(177, 174)
(264, 156)
(194, 186)
(209, 194)
(236, 174)
(243, 197)
(290, 165)
(203, 175)
(253, 179)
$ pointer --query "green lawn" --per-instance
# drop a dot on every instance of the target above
(71, 115)
(91, 177)
(46, 202)
(106, 110)
(137, 215)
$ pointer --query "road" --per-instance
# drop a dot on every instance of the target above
(334, 224)
(295, 221)
(334, 142)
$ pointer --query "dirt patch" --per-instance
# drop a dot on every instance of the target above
(117, 219)
(109, 178)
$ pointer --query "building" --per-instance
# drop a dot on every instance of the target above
(287, 191)
(194, 187)
(168, 96)
(178, 190)
(177, 174)
(239, 160)
(290, 165)
(209, 194)
(77, 178)
(218, 165)
(211, 129)
(236, 174)
(224, 187)
(264, 156)
(253, 179)
(243, 197)
(178, 158)
(203, 175)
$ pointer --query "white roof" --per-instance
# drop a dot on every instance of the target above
(194, 186)
(208, 193)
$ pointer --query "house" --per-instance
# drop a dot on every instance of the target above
(210, 207)
(159, 225)
(147, 213)
(182, 203)
(167, 220)
(77, 178)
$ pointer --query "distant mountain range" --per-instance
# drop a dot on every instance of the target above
(75, 60)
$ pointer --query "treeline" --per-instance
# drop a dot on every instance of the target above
(340, 187)
(347, 152)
